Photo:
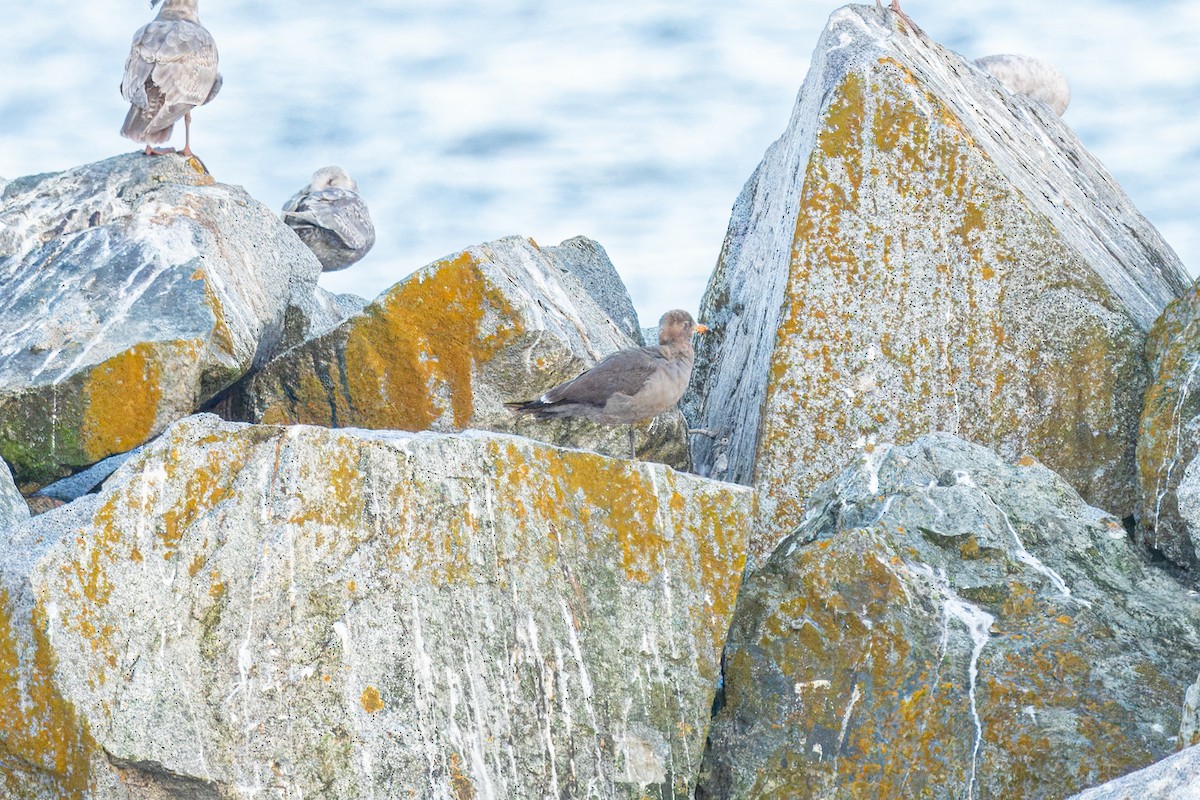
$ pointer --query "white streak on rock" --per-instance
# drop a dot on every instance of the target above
(1023, 555)
(855, 696)
(978, 624)
(1162, 486)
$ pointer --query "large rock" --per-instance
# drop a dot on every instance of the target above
(1169, 511)
(923, 250)
(945, 624)
(251, 610)
(133, 290)
(446, 348)
(1173, 778)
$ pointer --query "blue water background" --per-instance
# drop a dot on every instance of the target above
(634, 123)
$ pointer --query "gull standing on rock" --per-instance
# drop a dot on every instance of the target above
(631, 385)
(331, 218)
(172, 68)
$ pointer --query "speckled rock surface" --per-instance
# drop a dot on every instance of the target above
(1169, 440)
(1174, 778)
(923, 250)
(313, 314)
(1189, 729)
(587, 261)
(12, 505)
(132, 291)
(345, 614)
(946, 624)
(446, 348)
(45, 753)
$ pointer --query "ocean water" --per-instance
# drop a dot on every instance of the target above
(634, 123)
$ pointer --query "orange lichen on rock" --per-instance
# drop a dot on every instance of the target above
(925, 325)
(406, 362)
(38, 726)
(371, 700)
(122, 398)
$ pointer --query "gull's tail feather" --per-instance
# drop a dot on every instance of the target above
(135, 127)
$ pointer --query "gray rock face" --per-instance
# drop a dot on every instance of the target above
(594, 273)
(310, 612)
(311, 315)
(946, 624)
(923, 250)
(132, 290)
(84, 481)
(1169, 436)
(1189, 729)
(12, 506)
(447, 347)
(1174, 778)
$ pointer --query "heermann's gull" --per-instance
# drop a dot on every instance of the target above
(172, 68)
(331, 218)
(1029, 76)
(628, 386)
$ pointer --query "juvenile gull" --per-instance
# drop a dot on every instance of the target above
(172, 68)
(1029, 76)
(331, 218)
(628, 386)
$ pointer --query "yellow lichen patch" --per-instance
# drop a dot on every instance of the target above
(121, 398)
(408, 361)
(86, 581)
(605, 493)
(371, 700)
(460, 783)
(204, 488)
(341, 505)
(859, 669)
(721, 535)
(222, 337)
(930, 322)
(640, 521)
(844, 122)
(38, 727)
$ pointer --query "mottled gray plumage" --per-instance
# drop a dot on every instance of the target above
(1029, 76)
(171, 69)
(331, 218)
(630, 385)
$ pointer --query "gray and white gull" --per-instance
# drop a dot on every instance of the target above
(171, 69)
(331, 218)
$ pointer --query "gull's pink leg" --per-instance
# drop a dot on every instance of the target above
(187, 133)
(895, 7)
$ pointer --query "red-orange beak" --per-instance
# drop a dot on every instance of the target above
(701, 328)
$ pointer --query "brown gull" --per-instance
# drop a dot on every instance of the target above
(630, 385)
(172, 68)
(331, 218)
